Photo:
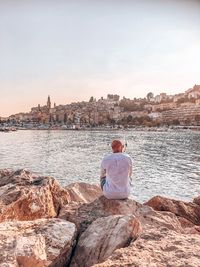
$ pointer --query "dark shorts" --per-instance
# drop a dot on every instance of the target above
(102, 182)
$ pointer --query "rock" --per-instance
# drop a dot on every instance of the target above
(163, 242)
(83, 192)
(26, 196)
(187, 210)
(84, 214)
(5, 172)
(107, 228)
(39, 243)
(103, 237)
(157, 248)
(189, 227)
(197, 200)
(185, 223)
(150, 218)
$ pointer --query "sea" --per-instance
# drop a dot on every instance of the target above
(165, 163)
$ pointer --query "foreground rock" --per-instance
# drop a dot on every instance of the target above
(187, 210)
(150, 218)
(158, 248)
(26, 196)
(39, 243)
(108, 230)
(162, 243)
(84, 214)
(83, 192)
(103, 237)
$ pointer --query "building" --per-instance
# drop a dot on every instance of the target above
(177, 97)
(185, 115)
(194, 92)
(164, 106)
(155, 115)
(160, 97)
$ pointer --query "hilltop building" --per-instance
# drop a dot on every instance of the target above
(49, 103)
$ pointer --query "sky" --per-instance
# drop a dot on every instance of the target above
(72, 50)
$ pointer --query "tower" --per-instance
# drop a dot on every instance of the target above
(49, 103)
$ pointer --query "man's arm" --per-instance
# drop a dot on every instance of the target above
(131, 168)
(103, 172)
(102, 177)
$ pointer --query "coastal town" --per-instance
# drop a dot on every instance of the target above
(181, 109)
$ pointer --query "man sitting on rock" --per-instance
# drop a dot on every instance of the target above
(116, 171)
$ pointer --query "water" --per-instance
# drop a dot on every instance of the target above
(165, 163)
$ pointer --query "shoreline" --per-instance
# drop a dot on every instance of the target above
(146, 129)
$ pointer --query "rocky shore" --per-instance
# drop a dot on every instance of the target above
(43, 224)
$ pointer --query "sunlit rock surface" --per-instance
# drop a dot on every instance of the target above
(26, 196)
(84, 214)
(187, 210)
(89, 229)
(42, 242)
(158, 248)
(150, 218)
(83, 192)
(103, 237)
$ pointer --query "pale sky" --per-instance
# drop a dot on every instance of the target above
(73, 49)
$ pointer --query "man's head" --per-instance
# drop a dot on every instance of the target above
(117, 146)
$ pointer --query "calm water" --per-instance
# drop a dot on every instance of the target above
(165, 163)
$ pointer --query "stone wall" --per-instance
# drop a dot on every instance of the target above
(182, 114)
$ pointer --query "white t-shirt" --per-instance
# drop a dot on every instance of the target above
(117, 168)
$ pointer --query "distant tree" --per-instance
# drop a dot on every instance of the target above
(149, 96)
(192, 100)
(112, 121)
(182, 100)
(65, 117)
(187, 121)
(91, 99)
(129, 118)
(57, 118)
(176, 122)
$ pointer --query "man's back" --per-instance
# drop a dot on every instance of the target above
(118, 169)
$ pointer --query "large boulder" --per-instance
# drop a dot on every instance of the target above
(83, 192)
(103, 237)
(163, 242)
(27, 196)
(84, 214)
(157, 247)
(39, 243)
(187, 210)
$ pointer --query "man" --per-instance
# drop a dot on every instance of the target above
(116, 171)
